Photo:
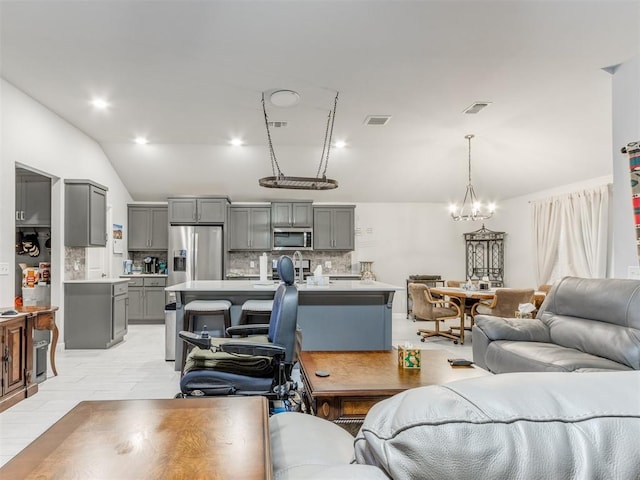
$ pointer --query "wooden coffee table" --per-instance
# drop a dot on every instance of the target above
(222, 437)
(358, 380)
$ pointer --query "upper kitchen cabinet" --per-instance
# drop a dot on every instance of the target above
(33, 199)
(249, 228)
(148, 227)
(198, 210)
(334, 227)
(291, 214)
(85, 222)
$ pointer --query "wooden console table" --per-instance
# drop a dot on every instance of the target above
(215, 437)
(45, 319)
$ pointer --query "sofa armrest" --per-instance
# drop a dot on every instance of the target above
(517, 329)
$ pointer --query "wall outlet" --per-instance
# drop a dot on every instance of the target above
(4, 269)
(327, 264)
(252, 264)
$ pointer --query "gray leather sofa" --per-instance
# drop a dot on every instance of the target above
(511, 426)
(583, 325)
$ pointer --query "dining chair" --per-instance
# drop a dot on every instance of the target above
(426, 308)
(539, 297)
(505, 302)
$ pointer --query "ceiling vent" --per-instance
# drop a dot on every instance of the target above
(476, 107)
(277, 124)
(377, 120)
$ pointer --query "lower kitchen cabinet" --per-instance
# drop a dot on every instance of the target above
(16, 339)
(95, 313)
(146, 299)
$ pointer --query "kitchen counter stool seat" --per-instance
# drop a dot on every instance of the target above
(205, 307)
(256, 308)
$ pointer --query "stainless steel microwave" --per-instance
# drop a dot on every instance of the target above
(292, 239)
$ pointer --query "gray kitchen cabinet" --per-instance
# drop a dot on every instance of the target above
(95, 313)
(148, 227)
(146, 299)
(334, 228)
(85, 223)
(33, 200)
(249, 228)
(291, 214)
(198, 210)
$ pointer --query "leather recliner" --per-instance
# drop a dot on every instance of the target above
(511, 426)
(583, 325)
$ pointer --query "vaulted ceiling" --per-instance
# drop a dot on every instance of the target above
(189, 76)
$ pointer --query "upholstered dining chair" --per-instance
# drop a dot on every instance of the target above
(426, 308)
(505, 302)
(539, 298)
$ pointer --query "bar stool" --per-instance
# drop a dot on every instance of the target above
(256, 308)
(204, 307)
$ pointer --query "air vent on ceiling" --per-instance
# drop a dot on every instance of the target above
(278, 124)
(377, 120)
(476, 107)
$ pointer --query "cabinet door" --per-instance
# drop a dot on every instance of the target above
(239, 236)
(343, 229)
(154, 303)
(260, 228)
(322, 224)
(136, 303)
(14, 352)
(138, 221)
(97, 217)
(33, 200)
(159, 230)
(211, 210)
(119, 320)
(281, 215)
(302, 214)
(182, 210)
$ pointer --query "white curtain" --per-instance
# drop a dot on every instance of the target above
(570, 235)
(547, 223)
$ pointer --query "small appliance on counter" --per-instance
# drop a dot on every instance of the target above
(151, 265)
(128, 267)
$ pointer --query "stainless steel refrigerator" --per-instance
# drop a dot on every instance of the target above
(195, 253)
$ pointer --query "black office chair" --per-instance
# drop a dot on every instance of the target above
(257, 363)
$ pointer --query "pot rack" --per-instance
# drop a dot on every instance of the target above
(319, 182)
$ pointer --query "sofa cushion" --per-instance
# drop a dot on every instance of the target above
(503, 356)
(522, 425)
(597, 316)
(307, 447)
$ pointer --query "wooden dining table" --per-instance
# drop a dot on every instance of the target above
(464, 295)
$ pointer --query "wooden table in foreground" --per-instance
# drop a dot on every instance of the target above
(204, 438)
(358, 380)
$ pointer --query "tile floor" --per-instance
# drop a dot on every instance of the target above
(134, 368)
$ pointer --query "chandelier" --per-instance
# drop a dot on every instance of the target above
(472, 209)
(319, 182)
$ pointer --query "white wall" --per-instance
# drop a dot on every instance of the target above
(33, 136)
(626, 128)
(403, 239)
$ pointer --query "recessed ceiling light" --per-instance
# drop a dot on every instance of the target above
(141, 141)
(340, 144)
(99, 103)
(284, 98)
(236, 142)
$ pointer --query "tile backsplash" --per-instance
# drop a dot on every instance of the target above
(74, 263)
(341, 262)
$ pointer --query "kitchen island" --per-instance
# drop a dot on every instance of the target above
(344, 315)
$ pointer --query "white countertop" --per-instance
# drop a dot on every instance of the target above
(98, 280)
(252, 285)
